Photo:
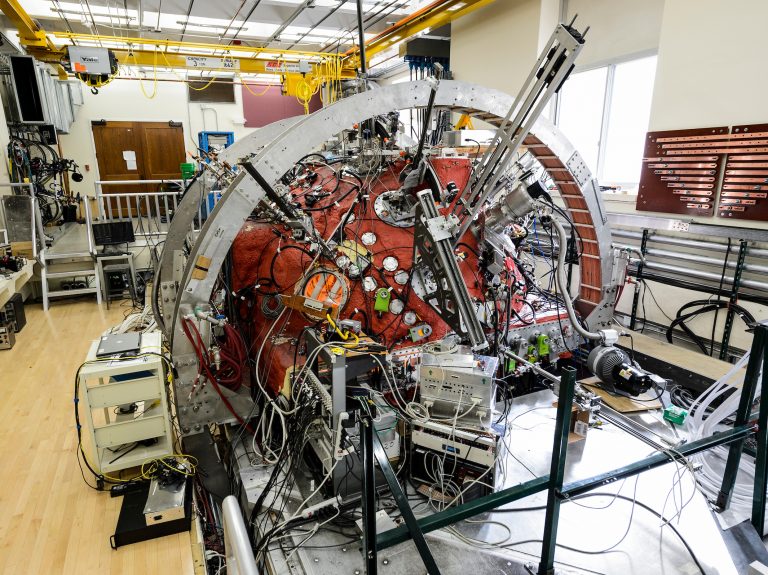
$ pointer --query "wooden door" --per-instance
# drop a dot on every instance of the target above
(163, 150)
(137, 151)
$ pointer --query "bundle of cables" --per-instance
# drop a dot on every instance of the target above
(280, 483)
(169, 470)
(143, 321)
(705, 306)
(226, 362)
(225, 369)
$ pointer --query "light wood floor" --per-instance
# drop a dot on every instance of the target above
(50, 521)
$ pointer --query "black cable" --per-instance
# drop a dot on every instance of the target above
(719, 291)
(707, 306)
(617, 496)
(470, 248)
(274, 259)
(477, 144)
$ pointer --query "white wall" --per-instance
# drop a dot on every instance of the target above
(496, 45)
(710, 72)
(706, 76)
(711, 69)
(124, 100)
(618, 29)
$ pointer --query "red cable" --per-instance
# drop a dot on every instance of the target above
(211, 377)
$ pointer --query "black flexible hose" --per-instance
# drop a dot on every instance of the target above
(708, 306)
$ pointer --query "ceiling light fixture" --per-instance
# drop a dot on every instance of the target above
(208, 26)
(84, 15)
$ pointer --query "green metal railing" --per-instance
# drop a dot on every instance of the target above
(553, 482)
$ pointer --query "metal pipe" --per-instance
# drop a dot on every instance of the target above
(561, 285)
(296, 13)
(688, 243)
(240, 560)
(315, 25)
(361, 38)
(706, 275)
(704, 260)
(580, 487)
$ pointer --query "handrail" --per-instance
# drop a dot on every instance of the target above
(89, 228)
(124, 182)
(240, 559)
(123, 194)
(155, 207)
(167, 200)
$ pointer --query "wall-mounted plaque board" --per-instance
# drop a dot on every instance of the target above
(681, 170)
(744, 194)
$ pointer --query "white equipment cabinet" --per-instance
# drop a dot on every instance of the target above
(107, 384)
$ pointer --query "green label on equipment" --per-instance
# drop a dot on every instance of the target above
(382, 300)
(542, 345)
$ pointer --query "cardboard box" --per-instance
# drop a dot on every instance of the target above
(23, 249)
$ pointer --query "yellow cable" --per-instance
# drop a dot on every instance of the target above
(213, 79)
(245, 85)
(335, 327)
(185, 80)
(141, 82)
(345, 336)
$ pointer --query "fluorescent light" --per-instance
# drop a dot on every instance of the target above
(83, 14)
(210, 26)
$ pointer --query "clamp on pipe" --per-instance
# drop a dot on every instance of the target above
(631, 249)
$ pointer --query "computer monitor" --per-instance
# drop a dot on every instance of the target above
(113, 233)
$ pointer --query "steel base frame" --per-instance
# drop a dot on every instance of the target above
(558, 492)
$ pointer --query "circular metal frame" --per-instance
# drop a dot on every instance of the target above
(556, 154)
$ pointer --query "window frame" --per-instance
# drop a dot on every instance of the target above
(610, 66)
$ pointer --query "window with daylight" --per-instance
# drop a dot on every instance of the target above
(604, 112)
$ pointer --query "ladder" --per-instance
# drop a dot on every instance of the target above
(73, 256)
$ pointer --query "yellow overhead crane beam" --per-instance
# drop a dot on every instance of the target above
(31, 35)
(244, 59)
(30, 32)
(199, 56)
(231, 48)
(201, 61)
